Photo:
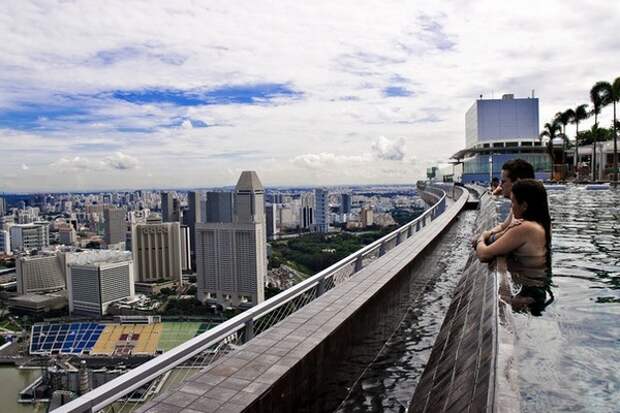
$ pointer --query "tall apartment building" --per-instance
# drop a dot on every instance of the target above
(321, 210)
(26, 237)
(67, 235)
(157, 252)
(220, 206)
(5, 242)
(167, 206)
(3, 208)
(115, 227)
(346, 203)
(40, 273)
(232, 256)
(95, 279)
(194, 216)
(306, 212)
(272, 214)
(186, 257)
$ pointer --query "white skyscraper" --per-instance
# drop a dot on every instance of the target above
(321, 210)
(95, 279)
(232, 257)
(26, 237)
(157, 252)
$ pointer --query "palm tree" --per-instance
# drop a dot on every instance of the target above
(563, 118)
(577, 115)
(610, 94)
(551, 130)
(597, 97)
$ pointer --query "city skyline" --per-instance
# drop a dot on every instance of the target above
(94, 98)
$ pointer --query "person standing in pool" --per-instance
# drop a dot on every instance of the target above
(528, 237)
(512, 171)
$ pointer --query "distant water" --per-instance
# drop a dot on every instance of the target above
(388, 383)
(569, 356)
(12, 381)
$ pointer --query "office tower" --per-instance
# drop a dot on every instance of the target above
(306, 213)
(194, 216)
(40, 273)
(5, 242)
(157, 252)
(3, 208)
(177, 214)
(220, 206)
(6, 221)
(186, 257)
(232, 257)
(367, 217)
(167, 206)
(26, 237)
(95, 279)
(67, 235)
(115, 227)
(272, 214)
(321, 210)
(346, 203)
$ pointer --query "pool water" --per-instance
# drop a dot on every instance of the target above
(569, 356)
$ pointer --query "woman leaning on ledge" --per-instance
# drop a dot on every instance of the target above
(529, 235)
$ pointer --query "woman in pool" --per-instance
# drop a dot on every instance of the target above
(528, 238)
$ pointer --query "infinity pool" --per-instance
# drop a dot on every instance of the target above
(569, 356)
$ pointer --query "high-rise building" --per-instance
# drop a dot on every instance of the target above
(346, 203)
(40, 273)
(496, 131)
(167, 206)
(95, 279)
(67, 235)
(27, 237)
(367, 217)
(271, 222)
(115, 227)
(157, 251)
(220, 207)
(5, 242)
(3, 208)
(232, 257)
(306, 212)
(186, 258)
(177, 213)
(321, 210)
(194, 216)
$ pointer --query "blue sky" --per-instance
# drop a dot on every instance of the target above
(147, 94)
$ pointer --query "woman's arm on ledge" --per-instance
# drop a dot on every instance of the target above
(511, 240)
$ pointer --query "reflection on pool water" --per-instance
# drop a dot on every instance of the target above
(568, 353)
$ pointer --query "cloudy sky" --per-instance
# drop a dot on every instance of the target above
(147, 94)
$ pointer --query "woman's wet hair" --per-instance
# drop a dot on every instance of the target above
(534, 194)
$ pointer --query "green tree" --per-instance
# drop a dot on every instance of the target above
(610, 94)
(551, 130)
(577, 115)
(597, 97)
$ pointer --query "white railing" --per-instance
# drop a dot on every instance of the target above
(218, 341)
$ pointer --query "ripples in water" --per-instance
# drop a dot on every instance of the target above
(569, 357)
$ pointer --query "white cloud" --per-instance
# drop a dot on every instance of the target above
(329, 52)
(121, 161)
(389, 149)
